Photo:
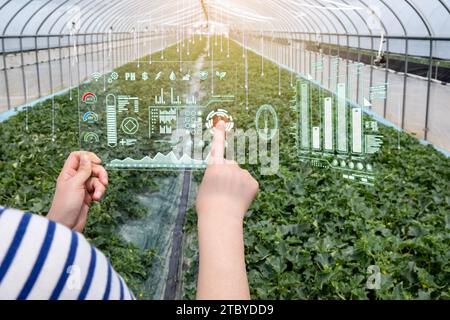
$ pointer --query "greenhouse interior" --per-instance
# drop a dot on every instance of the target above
(339, 109)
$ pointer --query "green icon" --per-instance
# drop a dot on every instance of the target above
(128, 142)
(113, 77)
(90, 137)
(96, 76)
(130, 76)
(130, 126)
(221, 74)
(187, 77)
(267, 114)
(203, 75)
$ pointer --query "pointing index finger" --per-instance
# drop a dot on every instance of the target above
(218, 144)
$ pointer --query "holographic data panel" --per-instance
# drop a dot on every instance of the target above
(332, 132)
(156, 116)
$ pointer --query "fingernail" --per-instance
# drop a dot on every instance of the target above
(84, 158)
(219, 123)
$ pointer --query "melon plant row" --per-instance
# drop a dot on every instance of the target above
(308, 235)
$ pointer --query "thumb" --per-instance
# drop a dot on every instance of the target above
(84, 171)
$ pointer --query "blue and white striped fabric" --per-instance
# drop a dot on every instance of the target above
(40, 260)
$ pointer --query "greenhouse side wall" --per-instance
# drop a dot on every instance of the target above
(32, 67)
(413, 102)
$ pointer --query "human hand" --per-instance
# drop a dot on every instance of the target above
(81, 181)
(226, 189)
(224, 197)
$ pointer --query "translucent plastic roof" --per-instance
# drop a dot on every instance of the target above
(420, 18)
(31, 17)
(365, 17)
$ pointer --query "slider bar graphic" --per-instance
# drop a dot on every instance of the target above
(357, 134)
(304, 115)
(111, 120)
(342, 142)
(328, 122)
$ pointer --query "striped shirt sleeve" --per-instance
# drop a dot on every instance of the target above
(42, 260)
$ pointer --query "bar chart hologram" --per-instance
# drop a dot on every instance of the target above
(331, 132)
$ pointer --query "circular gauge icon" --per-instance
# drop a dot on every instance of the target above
(266, 122)
(91, 137)
(215, 116)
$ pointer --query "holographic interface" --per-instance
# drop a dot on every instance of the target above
(155, 118)
(331, 130)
